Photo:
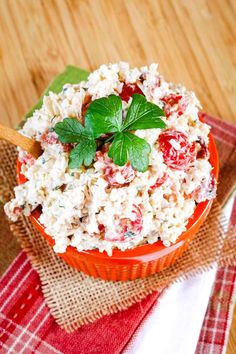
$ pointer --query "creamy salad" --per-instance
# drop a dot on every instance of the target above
(105, 206)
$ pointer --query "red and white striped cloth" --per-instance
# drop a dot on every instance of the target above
(216, 325)
(26, 326)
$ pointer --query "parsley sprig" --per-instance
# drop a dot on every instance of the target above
(104, 116)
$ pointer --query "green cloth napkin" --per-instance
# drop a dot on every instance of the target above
(71, 75)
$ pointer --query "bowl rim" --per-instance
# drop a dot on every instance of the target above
(140, 251)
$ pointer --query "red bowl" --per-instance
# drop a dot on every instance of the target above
(141, 261)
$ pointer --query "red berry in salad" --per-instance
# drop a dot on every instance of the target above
(52, 138)
(119, 177)
(129, 90)
(114, 175)
(174, 104)
(159, 182)
(178, 152)
(129, 228)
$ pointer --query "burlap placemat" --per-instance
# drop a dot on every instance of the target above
(75, 299)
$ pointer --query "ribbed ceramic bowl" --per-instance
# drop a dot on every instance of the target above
(141, 261)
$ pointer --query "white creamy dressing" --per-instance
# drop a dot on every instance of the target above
(75, 202)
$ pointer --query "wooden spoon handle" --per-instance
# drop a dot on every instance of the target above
(12, 136)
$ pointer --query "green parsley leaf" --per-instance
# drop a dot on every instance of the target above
(70, 130)
(129, 147)
(83, 153)
(104, 115)
(143, 115)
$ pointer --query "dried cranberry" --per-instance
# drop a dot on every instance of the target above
(101, 228)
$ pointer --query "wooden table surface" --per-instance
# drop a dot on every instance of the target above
(192, 40)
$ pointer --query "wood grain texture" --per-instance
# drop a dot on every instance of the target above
(11, 135)
(192, 40)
